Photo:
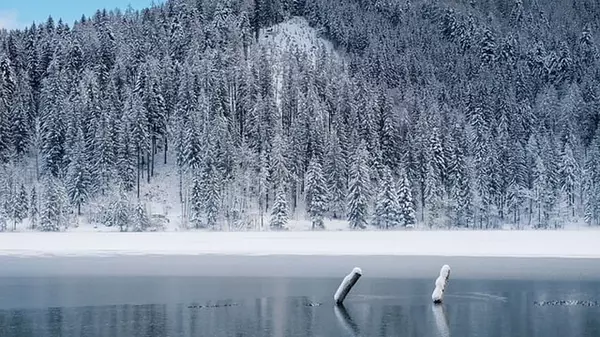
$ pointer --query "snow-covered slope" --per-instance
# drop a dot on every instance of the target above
(295, 32)
(291, 35)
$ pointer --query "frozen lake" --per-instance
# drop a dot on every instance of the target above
(292, 296)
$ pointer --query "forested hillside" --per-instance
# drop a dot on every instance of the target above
(454, 113)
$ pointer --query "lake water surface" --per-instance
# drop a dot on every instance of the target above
(118, 304)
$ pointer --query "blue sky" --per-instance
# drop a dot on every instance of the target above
(20, 13)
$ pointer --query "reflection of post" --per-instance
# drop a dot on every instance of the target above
(441, 321)
(347, 284)
(345, 320)
(440, 285)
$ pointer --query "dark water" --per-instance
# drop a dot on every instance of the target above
(205, 306)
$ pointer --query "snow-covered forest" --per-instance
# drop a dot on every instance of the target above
(443, 114)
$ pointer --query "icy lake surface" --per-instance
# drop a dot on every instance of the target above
(97, 297)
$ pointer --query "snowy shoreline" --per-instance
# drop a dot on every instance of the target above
(521, 244)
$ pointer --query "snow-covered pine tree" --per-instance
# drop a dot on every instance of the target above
(14, 207)
(156, 107)
(52, 124)
(20, 128)
(388, 131)
(569, 176)
(78, 175)
(262, 175)
(101, 167)
(540, 184)
(279, 212)
(7, 100)
(120, 212)
(19, 206)
(592, 182)
(405, 201)
(4, 133)
(139, 132)
(33, 209)
(211, 188)
(24, 201)
(316, 194)
(387, 209)
(3, 221)
(141, 221)
(51, 209)
(194, 147)
(359, 191)
(337, 177)
(433, 197)
(196, 202)
(279, 173)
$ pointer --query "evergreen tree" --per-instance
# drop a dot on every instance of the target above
(569, 177)
(18, 206)
(119, 210)
(433, 196)
(211, 185)
(139, 132)
(358, 189)
(278, 167)
(126, 156)
(336, 174)
(196, 203)
(405, 201)
(592, 182)
(78, 177)
(316, 194)
(54, 213)
(23, 202)
(279, 212)
(33, 209)
(53, 127)
(388, 133)
(20, 129)
(141, 221)
(387, 209)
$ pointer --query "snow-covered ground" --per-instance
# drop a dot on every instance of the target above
(561, 244)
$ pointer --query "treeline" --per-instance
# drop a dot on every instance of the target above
(452, 115)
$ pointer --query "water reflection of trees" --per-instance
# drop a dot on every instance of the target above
(104, 321)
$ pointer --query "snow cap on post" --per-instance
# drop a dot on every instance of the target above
(440, 284)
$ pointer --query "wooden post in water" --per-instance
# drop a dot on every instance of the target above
(346, 285)
(440, 284)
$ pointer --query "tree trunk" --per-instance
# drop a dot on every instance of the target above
(530, 212)
(148, 166)
(294, 197)
(79, 209)
(180, 185)
(37, 165)
(153, 153)
(267, 201)
(166, 148)
(260, 206)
